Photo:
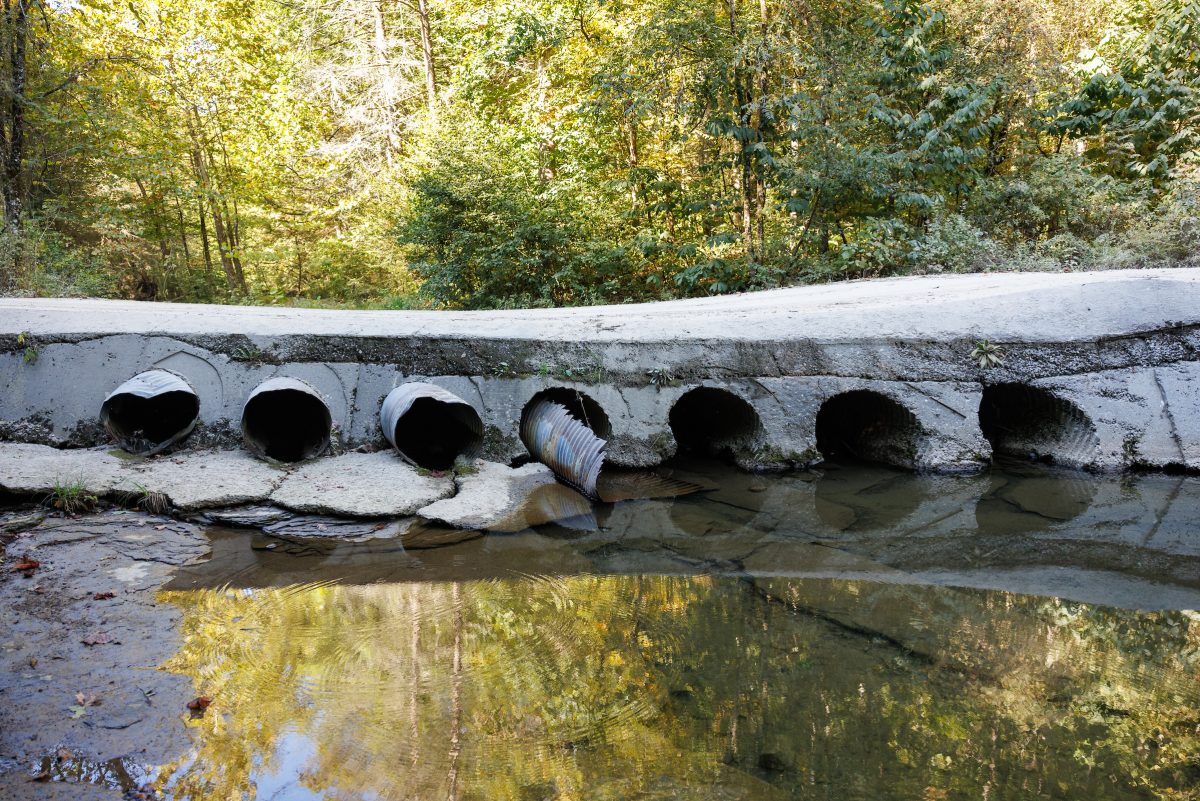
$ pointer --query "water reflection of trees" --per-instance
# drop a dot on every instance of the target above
(616, 687)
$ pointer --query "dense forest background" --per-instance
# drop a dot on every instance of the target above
(406, 153)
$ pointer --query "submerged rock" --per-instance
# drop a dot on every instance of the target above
(338, 528)
(255, 516)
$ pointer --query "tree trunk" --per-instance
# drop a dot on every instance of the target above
(427, 55)
(164, 249)
(16, 15)
(187, 252)
(225, 248)
(745, 183)
(389, 91)
(762, 123)
(204, 246)
(632, 145)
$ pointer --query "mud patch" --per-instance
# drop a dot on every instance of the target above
(99, 714)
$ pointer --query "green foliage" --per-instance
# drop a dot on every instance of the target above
(987, 354)
(659, 377)
(1140, 104)
(932, 125)
(30, 353)
(542, 154)
(486, 232)
(71, 497)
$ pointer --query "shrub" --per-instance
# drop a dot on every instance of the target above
(38, 260)
(952, 244)
(1052, 195)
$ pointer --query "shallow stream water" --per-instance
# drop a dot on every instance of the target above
(856, 634)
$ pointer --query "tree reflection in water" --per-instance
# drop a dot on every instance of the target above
(623, 687)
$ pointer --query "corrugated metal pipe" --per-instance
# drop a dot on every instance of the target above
(150, 412)
(429, 426)
(564, 444)
(287, 420)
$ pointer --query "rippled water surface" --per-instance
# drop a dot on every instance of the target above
(861, 634)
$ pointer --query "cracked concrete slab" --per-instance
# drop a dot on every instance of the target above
(206, 479)
(491, 496)
(37, 469)
(361, 485)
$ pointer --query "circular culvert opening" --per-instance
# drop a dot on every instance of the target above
(1031, 423)
(150, 411)
(868, 426)
(432, 432)
(710, 421)
(286, 420)
(578, 404)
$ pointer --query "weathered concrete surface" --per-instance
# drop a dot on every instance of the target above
(354, 484)
(38, 469)
(361, 485)
(204, 479)
(1124, 347)
(491, 496)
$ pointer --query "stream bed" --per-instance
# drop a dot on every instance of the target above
(859, 633)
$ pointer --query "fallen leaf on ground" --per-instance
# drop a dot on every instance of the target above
(33, 660)
(103, 596)
(199, 704)
(97, 638)
(146, 792)
(77, 711)
(87, 700)
(160, 528)
(26, 564)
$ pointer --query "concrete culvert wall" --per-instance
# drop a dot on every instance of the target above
(1031, 423)
(578, 404)
(868, 426)
(430, 426)
(150, 412)
(711, 421)
(287, 420)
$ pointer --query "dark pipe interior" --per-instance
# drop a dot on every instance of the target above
(867, 426)
(142, 423)
(287, 424)
(433, 433)
(579, 405)
(708, 420)
(1031, 423)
